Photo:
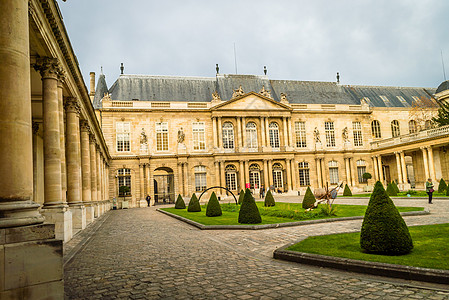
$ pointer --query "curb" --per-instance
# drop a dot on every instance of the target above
(366, 267)
(278, 225)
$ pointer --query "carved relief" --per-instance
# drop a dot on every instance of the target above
(84, 125)
(345, 135)
(48, 67)
(265, 93)
(72, 105)
(143, 137)
(316, 135)
(237, 92)
(181, 136)
(215, 96)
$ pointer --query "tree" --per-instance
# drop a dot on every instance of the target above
(249, 213)
(383, 229)
(395, 186)
(309, 199)
(347, 192)
(269, 200)
(443, 114)
(123, 190)
(213, 208)
(180, 204)
(442, 187)
(391, 191)
(242, 194)
(194, 204)
(367, 176)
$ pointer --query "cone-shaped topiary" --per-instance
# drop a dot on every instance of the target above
(383, 229)
(391, 191)
(347, 192)
(447, 191)
(213, 208)
(242, 194)
(194, 204)
(180, 204)
(249, 213)
(442, 187)
(269, 200)
(309, 199)
(395, 186)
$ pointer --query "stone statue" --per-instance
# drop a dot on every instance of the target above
(345, 134)
(264, 92)
(143, 137)
(215, 96)
(181, 136)
(316, 134)
(238, 92)
(283, 97)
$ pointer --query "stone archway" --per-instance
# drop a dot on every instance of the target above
(164, 186)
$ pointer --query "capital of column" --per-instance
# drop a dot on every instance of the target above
(48, 67)
(61, 77)
(71, 105)
(84, 126)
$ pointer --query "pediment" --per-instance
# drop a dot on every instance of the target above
(251, 101)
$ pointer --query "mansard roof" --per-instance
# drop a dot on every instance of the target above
(200, 89)
(443, 87)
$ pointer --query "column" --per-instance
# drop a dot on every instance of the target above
(73, 157)
(150, 187)
(318, 172)
(262, 132)
(244, 131)
(220, 133)
(239, 135)
(217, 173)
(246, 164)
(376, 170)
(99, 175)
(222, 174)
(323, 168)
(85, 171)
(186, 178)
(404, 167)
(242, 175)
(294, 166)
(270, 172)
(62, 138)
(289, 175)
(426, 162)
(379, 165)
(398, 166)
(142, 182)
(354, 177)
(265, 174)
(267, 133)
(291, 132)
(93, 174)
(180, 185)
(431, 164)
(284, 124)
(214, 131)
(348, 171)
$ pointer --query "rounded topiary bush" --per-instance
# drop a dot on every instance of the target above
(391, 191)
(194, 204)
(347, 192)
(383, 229)
(242, 194)
(213, 208)
(309, 199)
(180, 204)
(249, 213)
(442, 186)
(269, 200)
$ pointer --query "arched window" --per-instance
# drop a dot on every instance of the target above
(375, 129)
(361, 169)
(333, 172)
(228, 136)
(200, 178)
(254, 176)
(412, 128)
(231, 177)
(124, 179)
(278, 182)
(304, 178)
(395, 128)
(273, 129)
(251, 135)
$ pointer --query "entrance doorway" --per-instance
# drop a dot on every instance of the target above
(164, 186)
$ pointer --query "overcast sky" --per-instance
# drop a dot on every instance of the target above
(394, 43)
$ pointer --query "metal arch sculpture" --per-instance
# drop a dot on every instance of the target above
(218, 187)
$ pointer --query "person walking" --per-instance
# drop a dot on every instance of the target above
(148, 198)
(429, 189)
(262, 191)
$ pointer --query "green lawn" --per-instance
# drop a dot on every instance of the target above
(430, 247)
(281, 213)
(404, 194)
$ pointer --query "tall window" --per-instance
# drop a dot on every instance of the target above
(395, 128)
(412, 126)
(357, 132)
(333, 172)
(161, 136)
(199, 142)
(361, 169)
(274, 135)
(122, 136)
(300, 132)
(330, 134)
(254, 176)
(251, 135)
(200, 178)
(124, 179)
(231, 177)
(304, 178)
(277, 176)
(228, 135)
(375, 129)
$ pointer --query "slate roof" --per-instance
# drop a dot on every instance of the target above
(200, 89)
(100, 90)
(443, 87)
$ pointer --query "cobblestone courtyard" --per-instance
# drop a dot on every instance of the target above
(143, 254)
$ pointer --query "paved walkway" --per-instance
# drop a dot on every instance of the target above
(143, 254)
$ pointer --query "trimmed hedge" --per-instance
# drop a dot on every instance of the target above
(309, 199)
(180, 204)
(249, 213)
(395, 186)
(269, 200)
(347, 192)
(442, 187)
(391, 191)
(242, 194)
(383, 229)
(194, 204)
(213, 208)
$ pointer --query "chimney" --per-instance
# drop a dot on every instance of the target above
(92, 84)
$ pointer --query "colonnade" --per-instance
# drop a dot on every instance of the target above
(146, 178)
